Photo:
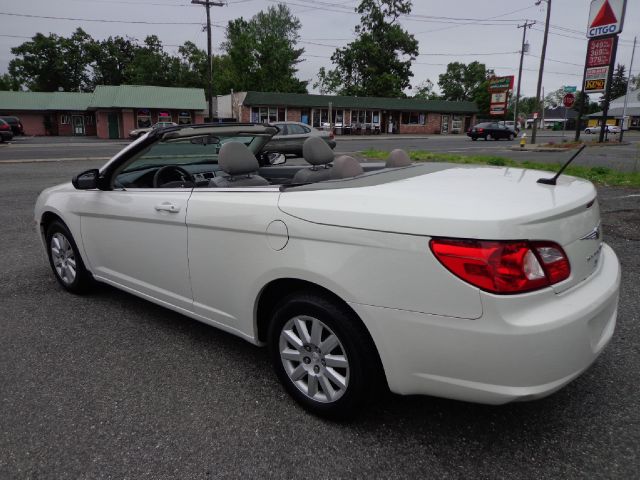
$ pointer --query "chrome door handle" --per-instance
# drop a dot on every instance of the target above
(167, 207)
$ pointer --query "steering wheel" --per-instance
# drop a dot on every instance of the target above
(186, 179)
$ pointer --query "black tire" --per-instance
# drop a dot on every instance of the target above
(82, 281)
(365, 375)
(511, 136)
(487, 137)
(474, 138)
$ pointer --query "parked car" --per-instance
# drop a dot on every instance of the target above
(491, 131)
(138, 132)
(16, 125)
(5, 131)
(292, 135)
(610, 129)
(468, 282)
(512, 125)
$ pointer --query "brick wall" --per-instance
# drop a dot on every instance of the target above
(432, 125)
(293, 114)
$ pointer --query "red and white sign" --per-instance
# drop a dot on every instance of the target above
(599, 51)
(595, 79)
(606, 17)
(568, 100)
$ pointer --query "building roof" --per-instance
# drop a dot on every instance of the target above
(382, 103)
(44, 100)
(142, 96)
(123, 96)
(617, 105)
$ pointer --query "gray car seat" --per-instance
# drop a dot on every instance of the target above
(236, 160)
(346, 167)
(316, 152)
(398, 158)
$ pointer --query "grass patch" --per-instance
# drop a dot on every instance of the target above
(601, 175)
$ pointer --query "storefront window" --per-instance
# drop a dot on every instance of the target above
(456, 124)
(184, 118)
(413, 118)
(64, 119)
(144, 118)
(268, 114)
(164, 116)
(88, 120)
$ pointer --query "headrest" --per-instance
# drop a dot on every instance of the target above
(316, 151)
(345, 167)
(235, 158)
(398, 158)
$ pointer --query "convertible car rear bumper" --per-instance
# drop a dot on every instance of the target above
(523, 347)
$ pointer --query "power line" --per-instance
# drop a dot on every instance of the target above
(97, 19)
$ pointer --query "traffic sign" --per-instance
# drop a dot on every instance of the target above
(570, 89)
(568, 100)
(606, 17)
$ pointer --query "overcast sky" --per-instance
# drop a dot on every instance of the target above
(446, 30)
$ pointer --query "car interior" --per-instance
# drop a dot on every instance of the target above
(235, 160)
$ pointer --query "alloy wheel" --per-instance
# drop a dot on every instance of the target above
(314, 359)
(64, 260)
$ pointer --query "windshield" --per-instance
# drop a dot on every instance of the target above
(185, 151)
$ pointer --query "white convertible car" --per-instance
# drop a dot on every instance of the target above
(471, 283)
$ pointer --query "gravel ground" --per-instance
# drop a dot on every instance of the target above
(111, 386)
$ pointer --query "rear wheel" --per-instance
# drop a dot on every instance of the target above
(487, 137)
(323, 356)
(474, 138)
(65, 260)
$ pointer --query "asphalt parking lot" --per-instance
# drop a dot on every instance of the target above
(111, 386)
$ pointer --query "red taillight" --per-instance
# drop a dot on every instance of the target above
(4, 126)
(503, 266)
(480, 130)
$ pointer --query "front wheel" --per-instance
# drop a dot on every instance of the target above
(65, 260)
(323, 356)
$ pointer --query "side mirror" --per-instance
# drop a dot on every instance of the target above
(276, 158)
(87, 180)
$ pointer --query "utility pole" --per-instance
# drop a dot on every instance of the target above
(541, 71)
(626, 96)
(208, 4)
(522, 52)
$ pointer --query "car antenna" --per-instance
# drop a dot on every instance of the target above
(552, 181)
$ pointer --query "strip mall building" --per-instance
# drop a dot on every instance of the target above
(349, 115)
(107, 112)
(113, 111)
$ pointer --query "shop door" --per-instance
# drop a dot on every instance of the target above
(78, 124)
(444, 126)
(114, 128)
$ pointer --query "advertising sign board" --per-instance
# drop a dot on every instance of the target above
(501, 83)
(595, 79)
(606, 17)
(599, 51)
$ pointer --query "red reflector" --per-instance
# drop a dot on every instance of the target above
(503, 266)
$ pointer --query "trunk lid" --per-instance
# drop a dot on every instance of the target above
(489, 203)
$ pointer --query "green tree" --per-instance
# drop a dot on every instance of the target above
(261, 53)
(48, 63)
(151, 65)
(378, 62)
(554, 99)
(619, 82)
(110, 59)
(462, 82)
(8, 82)
(425, 91)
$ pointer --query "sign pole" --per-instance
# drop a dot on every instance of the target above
(583, 98)
(626, 95)
(607, 92)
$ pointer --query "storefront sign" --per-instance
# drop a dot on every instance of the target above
(501, 83)
(497, 109)
(599, 51)
(595, 79)
(606, 17)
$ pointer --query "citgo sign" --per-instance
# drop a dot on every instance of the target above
(606, 17)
